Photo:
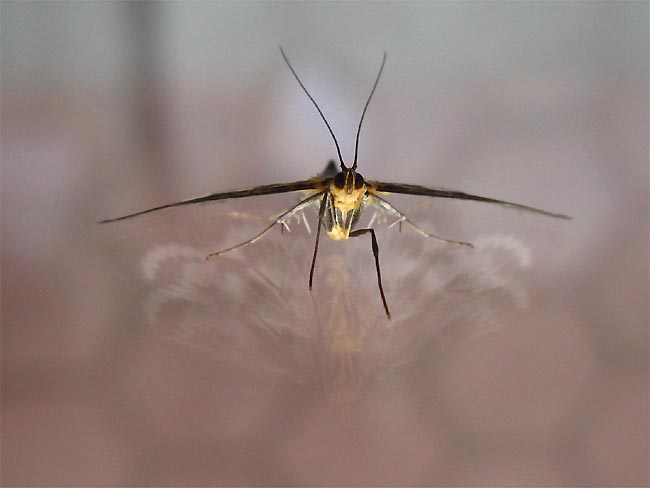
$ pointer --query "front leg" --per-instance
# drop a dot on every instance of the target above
(321, 212)
(375, 252)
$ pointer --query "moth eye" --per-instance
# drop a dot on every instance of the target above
(339, 180)
(358, 181)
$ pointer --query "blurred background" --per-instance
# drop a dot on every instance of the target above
(129, 360)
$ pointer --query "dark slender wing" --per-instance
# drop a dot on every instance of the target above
(379, 186)
(312, 184)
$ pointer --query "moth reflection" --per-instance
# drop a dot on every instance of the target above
(253, 312)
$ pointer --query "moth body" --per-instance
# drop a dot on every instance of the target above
(341, 196)
(346, 199)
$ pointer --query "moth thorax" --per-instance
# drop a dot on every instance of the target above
(345, 201)
(347, 189)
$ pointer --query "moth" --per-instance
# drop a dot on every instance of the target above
(341, 196)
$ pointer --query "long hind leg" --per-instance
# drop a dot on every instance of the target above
(375, 252)
(279, 220)
(384, 206)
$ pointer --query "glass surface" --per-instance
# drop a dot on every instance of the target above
(128, 360)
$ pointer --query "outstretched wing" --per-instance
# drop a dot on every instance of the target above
(379, 186)
(311, 184)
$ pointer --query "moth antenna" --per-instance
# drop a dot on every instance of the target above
(338, 149)
(356, 145)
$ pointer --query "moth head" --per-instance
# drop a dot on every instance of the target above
(348, 180)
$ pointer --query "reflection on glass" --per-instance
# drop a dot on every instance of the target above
(254, 307)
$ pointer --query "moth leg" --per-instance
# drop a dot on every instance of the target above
(373, 218)
(375, 252)
(279, 220)
(321, 212)
(304, 219)
(283, 225)
(385, 206)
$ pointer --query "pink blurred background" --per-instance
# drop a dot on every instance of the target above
(127, 360)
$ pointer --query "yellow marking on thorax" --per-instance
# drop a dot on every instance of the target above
(344, 200)
(338, 233)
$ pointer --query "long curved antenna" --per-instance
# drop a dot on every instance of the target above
(356, 145)
(338, 149)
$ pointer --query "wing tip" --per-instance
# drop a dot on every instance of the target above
(108, 221)
(559, 216)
